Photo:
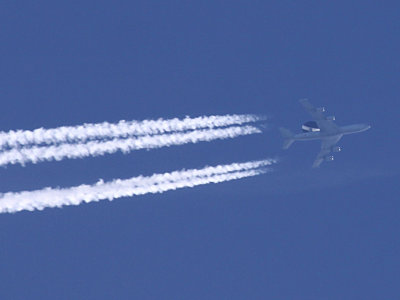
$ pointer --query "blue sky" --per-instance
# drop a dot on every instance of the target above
(296, 233)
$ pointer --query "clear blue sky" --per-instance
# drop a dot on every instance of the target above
(296, 233)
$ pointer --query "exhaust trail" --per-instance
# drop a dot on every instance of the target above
(157, 183)
(122, 129)
(96, 148)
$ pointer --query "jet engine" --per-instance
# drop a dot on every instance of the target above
(329, 158)
(331, 118)
(337, 149)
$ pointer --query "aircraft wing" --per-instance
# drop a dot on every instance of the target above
(323, 123)
(326, 148)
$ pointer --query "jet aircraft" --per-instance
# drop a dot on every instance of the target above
(322, 128)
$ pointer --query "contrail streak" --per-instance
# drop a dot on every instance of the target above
(96, 148)
(85, 132)
(157, 183)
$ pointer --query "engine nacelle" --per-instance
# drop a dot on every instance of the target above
(321, 109)
(337, 149)
(329, 158)
(331, 118)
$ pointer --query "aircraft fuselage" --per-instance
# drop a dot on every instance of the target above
(343, 130)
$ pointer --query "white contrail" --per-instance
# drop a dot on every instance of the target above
(81, 133)
(96, 148)
(157, 183)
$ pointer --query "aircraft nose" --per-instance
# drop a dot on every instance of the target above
(366, 127)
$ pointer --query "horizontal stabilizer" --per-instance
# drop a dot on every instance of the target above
(288, 136)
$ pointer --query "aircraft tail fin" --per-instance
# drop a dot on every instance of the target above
(288, 136)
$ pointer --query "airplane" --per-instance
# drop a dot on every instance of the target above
(322, 128)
